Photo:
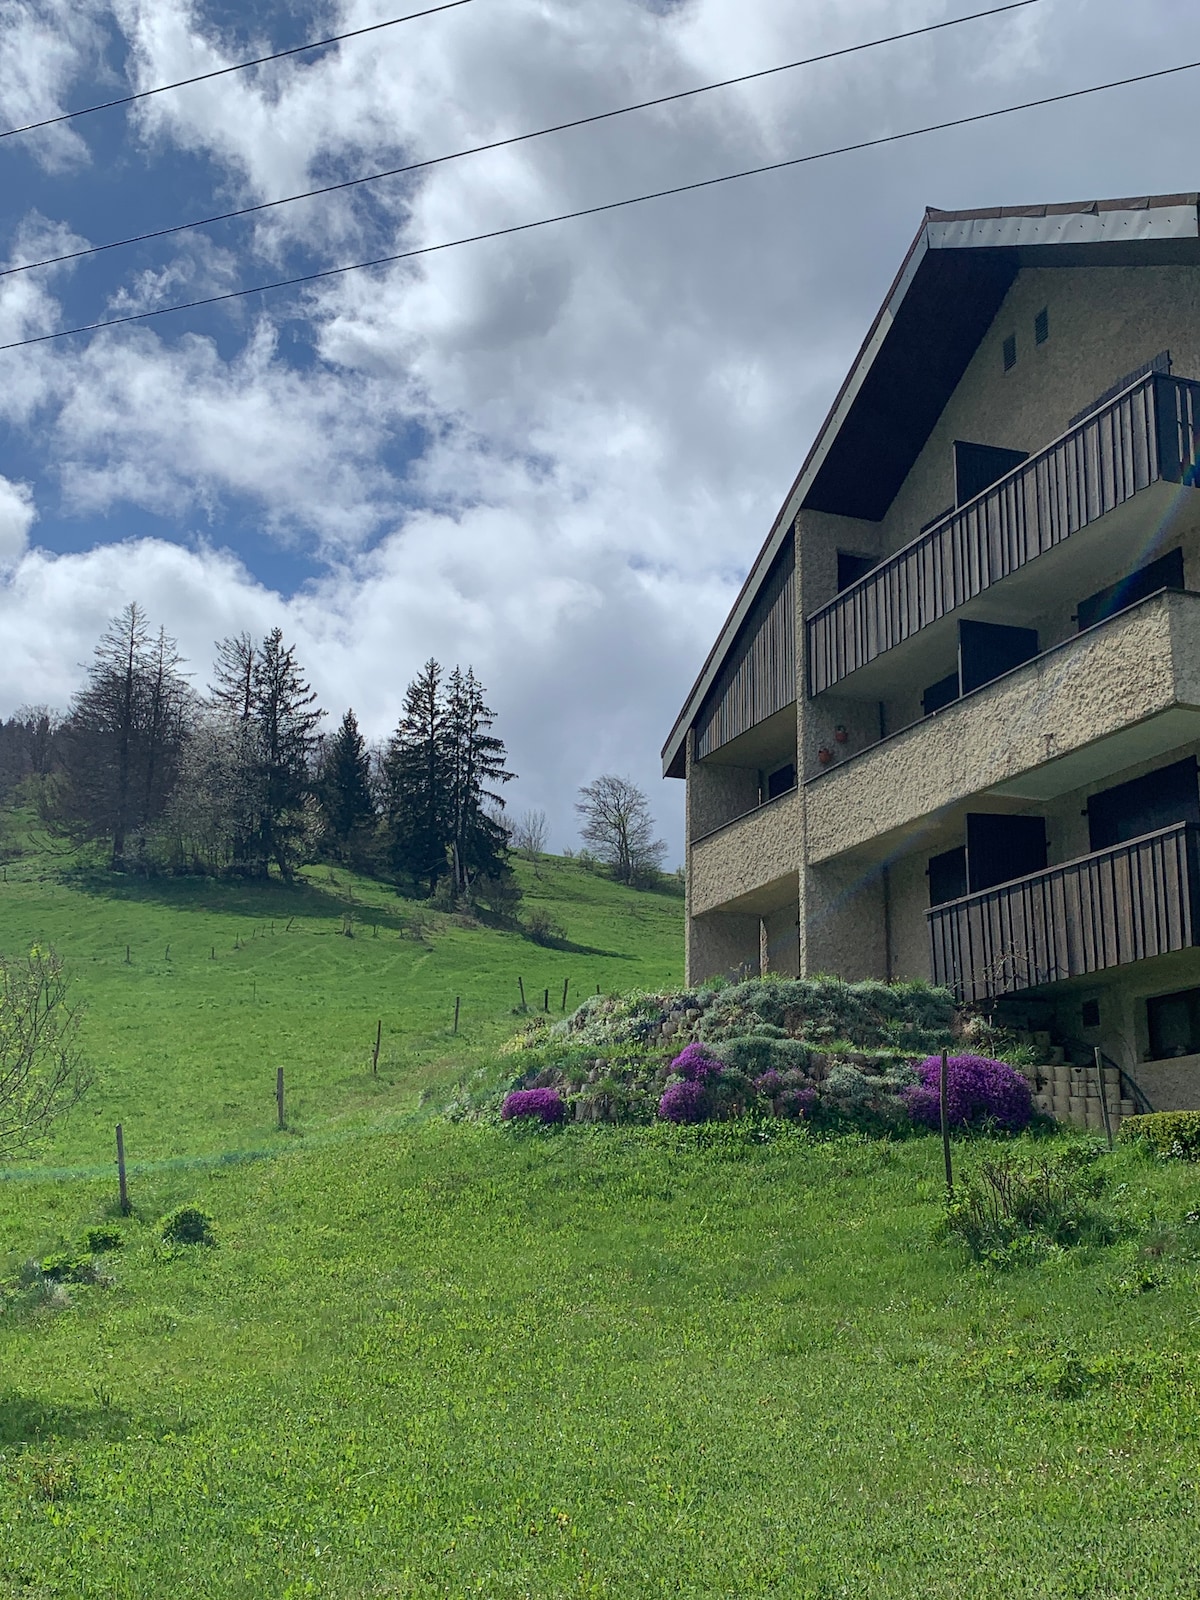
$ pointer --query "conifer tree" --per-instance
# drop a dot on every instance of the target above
(284, 709)
(417, 769)
(345, 789)
(478, 840)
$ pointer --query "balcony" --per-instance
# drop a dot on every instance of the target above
(1147, 436)
(1121, 693)
(1126, 904)
(748, 864)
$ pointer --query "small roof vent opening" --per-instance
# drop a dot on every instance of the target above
(1010, 352)
(1041, 326)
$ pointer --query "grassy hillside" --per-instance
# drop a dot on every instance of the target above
(197, 991)
(465, 1361)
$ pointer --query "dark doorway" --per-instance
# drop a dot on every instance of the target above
(1000, 848)
(978, 466)
(942, 693)
(1143, 805)
(947, 876)
(987, 649)
(851, 568)
(781, 780)
(1165, 573)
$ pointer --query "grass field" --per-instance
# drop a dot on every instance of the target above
(454, 1361)
(226, 982)
(435, 1360)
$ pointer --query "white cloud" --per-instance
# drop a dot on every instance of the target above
(48, 45)
(17, 514)
(606, 413)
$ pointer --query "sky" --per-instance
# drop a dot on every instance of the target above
(551, 456)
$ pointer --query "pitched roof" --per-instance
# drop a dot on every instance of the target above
(948, 290)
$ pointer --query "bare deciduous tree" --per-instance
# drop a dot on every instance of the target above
(529, 835)
(617, 824)
(42, 1069)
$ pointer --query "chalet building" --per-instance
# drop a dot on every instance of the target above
(950, 729)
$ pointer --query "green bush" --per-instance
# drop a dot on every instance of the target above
(756, 1053)
(1168, 1133)
(187, 1225)
(1006, 1209)
(64, 1267)
(97, 1241)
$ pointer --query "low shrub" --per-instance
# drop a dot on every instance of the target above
(544, 929)
(1168, 1133)
(1005, 1207)
(188, 1225)
(98, 1241)
(980, 1093)
(685, 1101)
(65, 1267)
(545, 1105)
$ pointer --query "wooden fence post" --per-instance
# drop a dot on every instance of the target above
(457, 1003)
(378, 1038)
(279, 1094)
(566, 986)
(521, 986)
(122, 1186)
(546, 1001)
(1108, 1133)
(944, 1103)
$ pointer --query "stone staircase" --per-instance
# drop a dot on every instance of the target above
(1069, 1091)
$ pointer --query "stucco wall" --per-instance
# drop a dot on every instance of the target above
(845, 922)
(1104, 322)
(716, 794)
(1139, 663)
(748, 854)
(723, 944)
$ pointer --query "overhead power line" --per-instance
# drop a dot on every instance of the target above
(597, 210)
(500, 144)
(238, 66)
(517, 138)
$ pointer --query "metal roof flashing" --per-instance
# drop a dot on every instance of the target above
(983, 250)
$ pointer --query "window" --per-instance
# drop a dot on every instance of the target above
(1010, 352)
(978, 466)
(1165, 573)
(1090, 1014)
(781, 780)
(1041, 326)
(947, 875)
(1143, 805)
(942, 693)
(852, 567)
(1173, 1022)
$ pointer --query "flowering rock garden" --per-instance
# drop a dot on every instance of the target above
(820, 1051)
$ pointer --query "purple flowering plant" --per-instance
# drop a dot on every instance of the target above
(695, 1063)
(546, 1105)
(685, 1101)
(979, 1092)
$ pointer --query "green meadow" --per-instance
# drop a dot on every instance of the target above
(439, 1360)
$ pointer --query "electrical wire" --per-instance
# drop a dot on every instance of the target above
(501, 144)
(239, 66)
(610, 205)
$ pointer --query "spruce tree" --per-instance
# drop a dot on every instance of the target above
(417, 769)
(478, 840)
(284, 709)
(345, 789)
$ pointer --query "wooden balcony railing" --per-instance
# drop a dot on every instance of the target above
(1149, 433)
(1129, 903)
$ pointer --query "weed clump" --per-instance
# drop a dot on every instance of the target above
(188, 1225)
(99, 1241)
(1007, 1211)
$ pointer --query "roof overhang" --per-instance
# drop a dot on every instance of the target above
(943, 300)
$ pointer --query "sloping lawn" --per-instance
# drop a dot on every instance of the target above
(449, 1361)
(196, 992)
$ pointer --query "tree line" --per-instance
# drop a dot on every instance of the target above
(240, 779)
